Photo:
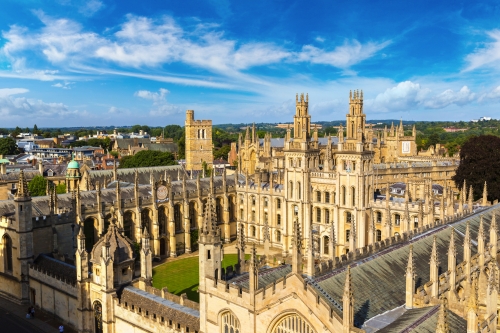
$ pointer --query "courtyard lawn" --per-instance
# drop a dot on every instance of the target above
(181, 276)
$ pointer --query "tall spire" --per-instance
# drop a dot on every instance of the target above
(485, 195)
(240, 245)
(410, 280)
(452, 260)
(481, 242)
(434, 269)
(467, 251)
(348, 303)
(470, 199)
(493, 235)
(297, 249)
(22, 188)
(209, 227)
(253, 270)
(472, 309)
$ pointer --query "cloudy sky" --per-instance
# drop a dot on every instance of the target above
(122, 62)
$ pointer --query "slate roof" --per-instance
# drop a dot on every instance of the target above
(128, 175)
(425, 321)
(378, 282)
(14, 176)
(57, 267)
(164, 147)
(124, 143)
(266, 276)
(162, 307)
(280, 142)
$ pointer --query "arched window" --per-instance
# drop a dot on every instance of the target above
(347, 234)
(379, 235)
(253, 231)
(348, 217)
(192, 215)
(353, 196)
(178, 218)
(98, 317)
(397, 219)
(253, 215)
(378, 217)
(278, 236)
(146, 221)
(326, 241)
(7, 253)
(278, 203)
(278, 219)
(292, 324)
(90, 231)
(318, 215)
(230, 324)
(327, 216)
(318, 196)
(327, 197)
(218, 209)
(342, 193)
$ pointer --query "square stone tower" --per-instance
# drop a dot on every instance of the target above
(198, 142)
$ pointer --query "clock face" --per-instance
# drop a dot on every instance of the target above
(162, 192)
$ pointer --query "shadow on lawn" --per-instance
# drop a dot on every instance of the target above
(192, 293)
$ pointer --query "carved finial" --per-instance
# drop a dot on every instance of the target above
(442, 325)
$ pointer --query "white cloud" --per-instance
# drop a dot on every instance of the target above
(409, 95)
(21, 107)
(90, 7)
(486, 56)
(160, 105)
(144, 42)
(344, 56)
(404, 96)
(115, 111)
(5, 92)
(63, 85)
(462, 97)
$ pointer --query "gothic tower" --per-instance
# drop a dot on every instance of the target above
(356, 119)
(198, 142)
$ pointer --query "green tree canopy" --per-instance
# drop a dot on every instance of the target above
(61, 188)
(8, 146)
(37, 186)
(479, 163)
(147, 158)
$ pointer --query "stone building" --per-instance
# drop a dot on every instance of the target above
(340, 181)
(198, 142)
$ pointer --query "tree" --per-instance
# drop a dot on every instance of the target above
(35, 130)
(479, 163)
(37, 186)
(61, 188)
(147, 158)
(8, 146)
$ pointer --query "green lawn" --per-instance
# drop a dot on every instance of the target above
(181, 276)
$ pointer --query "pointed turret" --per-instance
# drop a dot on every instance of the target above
(348, 303)
(410, 280)
(22, 193)
(472, 311)
(332, 241)
(146, 261)
(253, 270)
(467, 251)
(481, 240)
(493, 235)
(485, 195)
(296, 249)
(470, 199)
(414, 131)
(434, 269)
(452, 260)
(241, 244)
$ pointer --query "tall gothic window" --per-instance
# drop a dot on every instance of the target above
(327, 216)
(278, 219)
(379, 235)
(278, 203)
(230, 324)
(318, 196)
(298, 191)
(177, 218)
(7, 252)
(397, 219)
(342, 193)
(327, 197)
(379, 217)
(318, 215)
(98, 317)
(353, 196)
(292, 324)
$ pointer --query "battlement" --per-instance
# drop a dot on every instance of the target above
(357, 97)
(302, 100)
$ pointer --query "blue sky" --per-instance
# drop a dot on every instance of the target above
(124, 62)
